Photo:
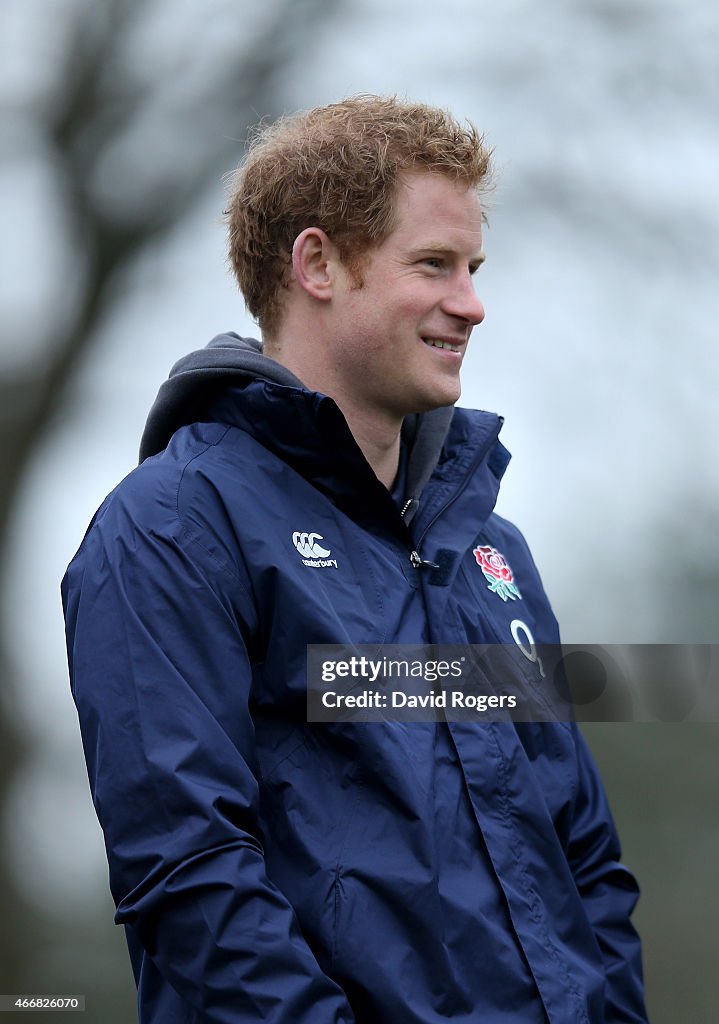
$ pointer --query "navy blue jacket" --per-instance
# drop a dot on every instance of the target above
(267, 869)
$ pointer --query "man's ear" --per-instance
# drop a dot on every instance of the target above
(313, 258)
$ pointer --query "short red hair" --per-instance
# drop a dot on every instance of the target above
(336, 168)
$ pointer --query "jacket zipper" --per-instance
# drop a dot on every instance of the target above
(405, 508)
(415, 558)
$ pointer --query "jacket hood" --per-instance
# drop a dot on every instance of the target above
(197, 379)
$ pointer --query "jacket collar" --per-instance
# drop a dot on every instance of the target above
(307, 430)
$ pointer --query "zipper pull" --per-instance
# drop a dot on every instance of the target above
(420, 563)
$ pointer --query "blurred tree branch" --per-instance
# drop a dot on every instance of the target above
(88, 113)
(80, 129)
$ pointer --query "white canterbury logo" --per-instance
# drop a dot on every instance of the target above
(314, 554)
(306, 544)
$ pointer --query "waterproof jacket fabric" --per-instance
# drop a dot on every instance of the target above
(267, 869)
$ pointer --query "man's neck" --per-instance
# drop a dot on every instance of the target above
(376, 433)
(379, 446)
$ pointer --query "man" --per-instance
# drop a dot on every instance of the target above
(323, 490)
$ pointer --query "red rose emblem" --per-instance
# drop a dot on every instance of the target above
(497, 572)
(493, 563)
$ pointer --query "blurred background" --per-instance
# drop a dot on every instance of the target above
(599, 348)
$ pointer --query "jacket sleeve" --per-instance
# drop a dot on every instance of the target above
(608, 890)
(161, 678)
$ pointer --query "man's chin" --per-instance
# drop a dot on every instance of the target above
(437, 399)
(447, 395)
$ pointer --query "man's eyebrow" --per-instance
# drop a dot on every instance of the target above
(440, 247)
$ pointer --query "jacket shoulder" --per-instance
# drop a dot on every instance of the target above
(172, 497)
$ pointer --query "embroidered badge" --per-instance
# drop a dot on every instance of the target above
(497, 572)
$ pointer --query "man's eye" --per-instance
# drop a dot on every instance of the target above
(433, 261)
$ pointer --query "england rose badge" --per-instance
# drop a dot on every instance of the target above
(497, 572)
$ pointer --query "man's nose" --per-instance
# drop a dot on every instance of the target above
(464, 302)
